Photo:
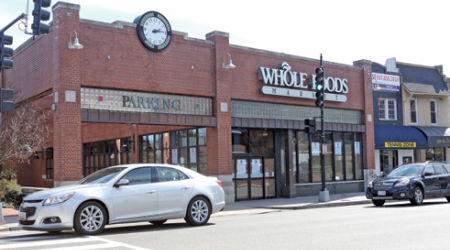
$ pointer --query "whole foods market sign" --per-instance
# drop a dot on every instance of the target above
(284, 82)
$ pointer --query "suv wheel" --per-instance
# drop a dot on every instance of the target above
(378, 203)
(417, 197)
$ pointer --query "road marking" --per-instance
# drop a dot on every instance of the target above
(44, 243)
(120, 244)
(95, 246)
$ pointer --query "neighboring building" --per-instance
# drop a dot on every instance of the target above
(116, 102)
(394, 142)
(425, 94)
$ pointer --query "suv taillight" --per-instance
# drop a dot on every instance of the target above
(219, 182)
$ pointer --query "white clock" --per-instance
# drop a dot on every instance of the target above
(154, 31)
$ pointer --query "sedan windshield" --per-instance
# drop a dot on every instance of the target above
(102, 176)
(407, 170)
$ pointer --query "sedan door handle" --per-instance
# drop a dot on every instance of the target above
(184, 188)
(151, 192)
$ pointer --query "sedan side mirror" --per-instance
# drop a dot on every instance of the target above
(428, 174)
(122, 182)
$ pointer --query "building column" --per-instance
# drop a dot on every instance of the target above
(368, 137)
(219, 154)
(67, 139)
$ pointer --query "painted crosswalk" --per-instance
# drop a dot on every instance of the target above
(19, 240)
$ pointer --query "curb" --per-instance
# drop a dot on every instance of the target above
(13, 228)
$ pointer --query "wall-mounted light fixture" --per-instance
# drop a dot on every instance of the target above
(75, 44)
(230, 64)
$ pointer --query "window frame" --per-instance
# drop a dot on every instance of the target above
(386, 109)
(416, 111)
(435, 112)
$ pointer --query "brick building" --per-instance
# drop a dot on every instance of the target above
(116, 102)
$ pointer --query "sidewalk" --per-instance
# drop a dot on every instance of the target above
(248, 207)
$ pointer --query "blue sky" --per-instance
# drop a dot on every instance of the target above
(343, 31)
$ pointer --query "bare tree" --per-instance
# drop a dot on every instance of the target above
(23, 132)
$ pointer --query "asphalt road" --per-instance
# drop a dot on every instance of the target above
(393, 226)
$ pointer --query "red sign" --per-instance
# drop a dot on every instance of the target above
(324, 149)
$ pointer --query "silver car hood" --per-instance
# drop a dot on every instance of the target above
(58, 191)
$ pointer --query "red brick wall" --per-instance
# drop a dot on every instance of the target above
(246, 81)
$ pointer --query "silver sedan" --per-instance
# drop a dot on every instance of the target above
(121, 194)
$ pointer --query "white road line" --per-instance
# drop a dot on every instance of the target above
(120, 243)
(46, 242)
(9, 233)
(87, 247)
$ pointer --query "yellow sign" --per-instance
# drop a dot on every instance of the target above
(400, 144)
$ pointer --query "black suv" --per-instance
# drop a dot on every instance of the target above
(415, 182)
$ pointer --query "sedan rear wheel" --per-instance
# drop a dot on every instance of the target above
(198, 212)
(378, 203)
(90, 218)
(418, 196)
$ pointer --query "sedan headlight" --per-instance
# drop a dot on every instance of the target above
(58, 199)
(370, 184)
(402, 183)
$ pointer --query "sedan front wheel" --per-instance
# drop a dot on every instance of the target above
(90, 218)
(198, 212)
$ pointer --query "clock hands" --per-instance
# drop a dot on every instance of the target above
(157, 31)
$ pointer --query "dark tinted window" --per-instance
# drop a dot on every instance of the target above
(439, 169)
(429, 169)
(139, 176)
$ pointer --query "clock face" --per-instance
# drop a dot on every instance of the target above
(154, 31)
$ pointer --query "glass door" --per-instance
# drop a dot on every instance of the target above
(241, 179)
(254, 178)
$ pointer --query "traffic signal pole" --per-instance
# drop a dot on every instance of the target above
(324, 195)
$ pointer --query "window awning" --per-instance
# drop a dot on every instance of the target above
(436, 136)
(389, 137)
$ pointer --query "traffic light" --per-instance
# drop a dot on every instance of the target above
(6, 94)
(320, 88)
(5, 52)
(310, 126)
(40, 15)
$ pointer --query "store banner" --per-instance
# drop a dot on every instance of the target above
(385, 83)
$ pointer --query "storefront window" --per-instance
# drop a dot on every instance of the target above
(315, 160)
(192, 137)
(358, 158)
(348, 142)
(338, 157)
(303, 157)
(202, 136)
(435, 154)
(329, 157)
(102, 154)
(261, 141)
(239, 140)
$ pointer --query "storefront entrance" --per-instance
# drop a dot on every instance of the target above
(254, 178)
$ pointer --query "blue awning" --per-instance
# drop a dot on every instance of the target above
(399, 137)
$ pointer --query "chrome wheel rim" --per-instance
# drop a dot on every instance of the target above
(91, 218)
(418, 195)
(199, 211)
